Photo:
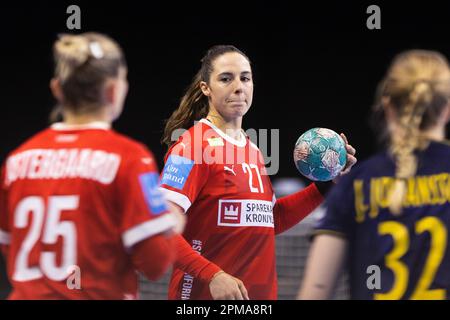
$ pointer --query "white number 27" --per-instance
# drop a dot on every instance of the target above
(248, 168)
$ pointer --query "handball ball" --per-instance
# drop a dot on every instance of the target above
(320, 154)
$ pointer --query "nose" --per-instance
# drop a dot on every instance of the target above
(238, 87)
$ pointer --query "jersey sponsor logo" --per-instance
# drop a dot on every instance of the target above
(230, 212)
(97, 165)
(66, 138)
(245, 213)
(229, 169)
(216, 142)
(176, 171)
(188, 280)
(152, 194)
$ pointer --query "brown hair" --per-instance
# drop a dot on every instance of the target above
(194, 104)
(417, 86)
(82, 65)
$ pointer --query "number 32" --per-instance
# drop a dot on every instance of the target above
(399, 233)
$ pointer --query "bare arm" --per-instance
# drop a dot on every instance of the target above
(323, 266)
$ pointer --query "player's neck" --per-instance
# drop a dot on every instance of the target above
(436, 133)
(232, 127)
(76, 119)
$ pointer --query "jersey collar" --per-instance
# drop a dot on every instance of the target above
(239, 143)
(86, 126)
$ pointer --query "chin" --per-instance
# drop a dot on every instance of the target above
(235, 115)
(241, 113)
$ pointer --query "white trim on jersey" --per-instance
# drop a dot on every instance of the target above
(239, 143)
(178, 198)
(254, 145)
(274, 200)
(147, 229)
(91, 125)
(5, 237)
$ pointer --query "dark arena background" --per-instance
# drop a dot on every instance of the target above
(315, 65)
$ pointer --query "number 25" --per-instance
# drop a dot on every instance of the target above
(51, 231)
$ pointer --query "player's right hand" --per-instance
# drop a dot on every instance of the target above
(224, 286)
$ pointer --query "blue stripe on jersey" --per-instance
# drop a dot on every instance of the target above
(153, 197)
(176, 171)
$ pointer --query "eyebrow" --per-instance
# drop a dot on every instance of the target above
(231, 74)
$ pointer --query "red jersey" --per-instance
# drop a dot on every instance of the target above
(223, 187)
(74, 201)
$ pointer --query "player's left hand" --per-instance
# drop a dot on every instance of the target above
(351, 159)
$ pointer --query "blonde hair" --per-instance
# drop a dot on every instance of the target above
(417, 86)
(82, 64)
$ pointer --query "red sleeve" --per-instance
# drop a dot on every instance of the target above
(184, 174)
(153, 256)
(290, 210)
(4, 228)
(191, 262)
(143, 211)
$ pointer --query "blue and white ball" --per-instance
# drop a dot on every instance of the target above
(320, 154)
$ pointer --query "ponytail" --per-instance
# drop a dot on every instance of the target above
(409, 139)
(417, 89)
(193, 106)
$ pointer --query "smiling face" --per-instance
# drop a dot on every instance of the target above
(230, 86)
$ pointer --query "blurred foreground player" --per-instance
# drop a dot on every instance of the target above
(391, 215)
(79, 199)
